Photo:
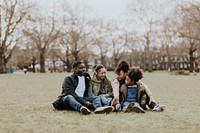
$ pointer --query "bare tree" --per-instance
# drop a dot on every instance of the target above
(168, 37)
(12, 15)
(101, 41)
(133, 44)
(43, 32)
(75, 34)
(117, 40)
(189, 29)
(147, 22)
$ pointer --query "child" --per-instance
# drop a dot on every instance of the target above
(130, 91)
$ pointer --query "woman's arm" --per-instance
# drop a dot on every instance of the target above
(148, 91)
(115, 86)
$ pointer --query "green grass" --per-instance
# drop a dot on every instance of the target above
(25, 106)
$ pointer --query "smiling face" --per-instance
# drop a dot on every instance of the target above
(80, 70)
(121, 75)
(128, 81)
(101, 74)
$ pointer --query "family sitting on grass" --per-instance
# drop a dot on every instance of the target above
(126, 93)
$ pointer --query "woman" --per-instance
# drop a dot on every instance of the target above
(146, 98)
(121, 71)
(101, 86)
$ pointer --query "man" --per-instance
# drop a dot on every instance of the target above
(76, 90)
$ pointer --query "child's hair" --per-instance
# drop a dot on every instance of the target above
(135, 74)
(98, 67)
(122, 66)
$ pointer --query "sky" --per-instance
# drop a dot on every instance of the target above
(115, 10)
(107, 9)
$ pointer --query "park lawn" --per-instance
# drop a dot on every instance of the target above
(25, 106)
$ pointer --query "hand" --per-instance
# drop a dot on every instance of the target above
(106, 95)
(88, 104)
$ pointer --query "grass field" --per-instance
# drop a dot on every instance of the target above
(25, 106)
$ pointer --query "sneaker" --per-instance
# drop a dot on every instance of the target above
(118, 107)
(137, 109)
(85, 111)
(159, 108)
(129, 107)
(102, 110)
(114, 102)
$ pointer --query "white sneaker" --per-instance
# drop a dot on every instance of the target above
(84, 110)
(159, 108)
(118, 107)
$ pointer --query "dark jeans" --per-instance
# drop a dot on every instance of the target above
(69, 102)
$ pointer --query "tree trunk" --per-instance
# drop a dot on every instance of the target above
(149, 59)
(75, 55)
(67, 61)
(103, 62)
(2, 64)
(169, 62)
(54, 65)
(116, 61)
(191, 60)
(42, 61)
(33, 64)
(68, 65)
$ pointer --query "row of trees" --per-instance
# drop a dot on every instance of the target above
(71, 36)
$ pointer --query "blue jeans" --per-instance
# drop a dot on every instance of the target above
(101, 100)
(70, 102)
(126, 103)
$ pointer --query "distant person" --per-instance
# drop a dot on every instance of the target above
(147, 98)
(25, 70)
(101, 86)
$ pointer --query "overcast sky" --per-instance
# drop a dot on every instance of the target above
(112, 9)
(108, 9)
